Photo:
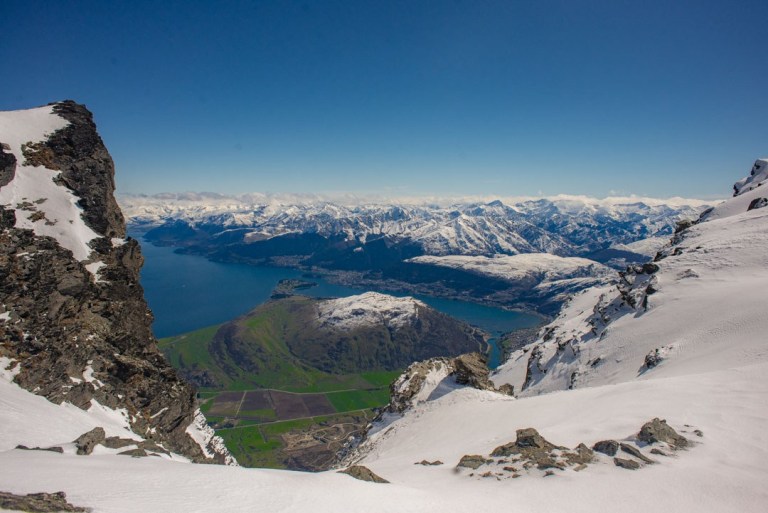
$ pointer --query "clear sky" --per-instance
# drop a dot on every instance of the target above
(409, 97)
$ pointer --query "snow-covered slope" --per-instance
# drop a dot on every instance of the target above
(697, 308)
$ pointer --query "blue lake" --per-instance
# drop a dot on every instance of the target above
(188, 292)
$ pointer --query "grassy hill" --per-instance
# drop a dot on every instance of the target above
(285, 391)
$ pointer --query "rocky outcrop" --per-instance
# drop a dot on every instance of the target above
(76, 320)
(421, 378)
(533, 454)
(38, 502)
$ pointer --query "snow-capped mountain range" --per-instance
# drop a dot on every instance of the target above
(655, 387)
(561, 225)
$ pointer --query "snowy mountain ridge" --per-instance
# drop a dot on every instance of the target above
(564, 225)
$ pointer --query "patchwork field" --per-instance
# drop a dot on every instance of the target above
(280, 429)
(272, 407)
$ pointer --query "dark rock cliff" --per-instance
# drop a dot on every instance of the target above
(81, 335)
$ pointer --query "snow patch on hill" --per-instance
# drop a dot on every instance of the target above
(520, 267)
(369, 309)
(648, 247)
(40, 204)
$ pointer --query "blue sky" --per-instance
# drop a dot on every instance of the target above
(409, 97)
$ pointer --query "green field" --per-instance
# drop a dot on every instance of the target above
(255, 392)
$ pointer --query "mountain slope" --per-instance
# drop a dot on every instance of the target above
(73, 321)
(296, 342)
(611, 334)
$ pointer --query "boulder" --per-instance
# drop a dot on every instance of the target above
(87, 441)
(363, 474)
(472, 369)
(607, 447)
(657, 430)
(627, 464)
(473, 461)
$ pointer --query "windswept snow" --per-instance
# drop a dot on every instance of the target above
(369, 309)
(42, 205)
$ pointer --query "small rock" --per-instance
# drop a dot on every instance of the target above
(658, 452)
(657, 430)
(429, 463)
(473, 461)
(363, 474)
(549, 473)
(115, 442)
(135, 453)
(627, 464)
(507, 389)
(510, 469)
(579, 468)
(87, 441)
(582, 456)
(607, 447)
(698, 433)
(51, 449)
(634, 451)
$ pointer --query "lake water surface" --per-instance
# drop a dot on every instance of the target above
(188, 292)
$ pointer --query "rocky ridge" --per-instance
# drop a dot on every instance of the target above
(73, 320)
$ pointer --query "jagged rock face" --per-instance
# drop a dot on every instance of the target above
(80, 328)
(421, 378)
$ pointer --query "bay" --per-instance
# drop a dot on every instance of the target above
(188, 292)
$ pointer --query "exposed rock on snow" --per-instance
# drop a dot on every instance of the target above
(38, 502)
(757, 176)
(607, 447)
(531, 452)
(422, 381)
(657, 431)
(473, 461)
(363, 474)
(625, 463)
(87, 441)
